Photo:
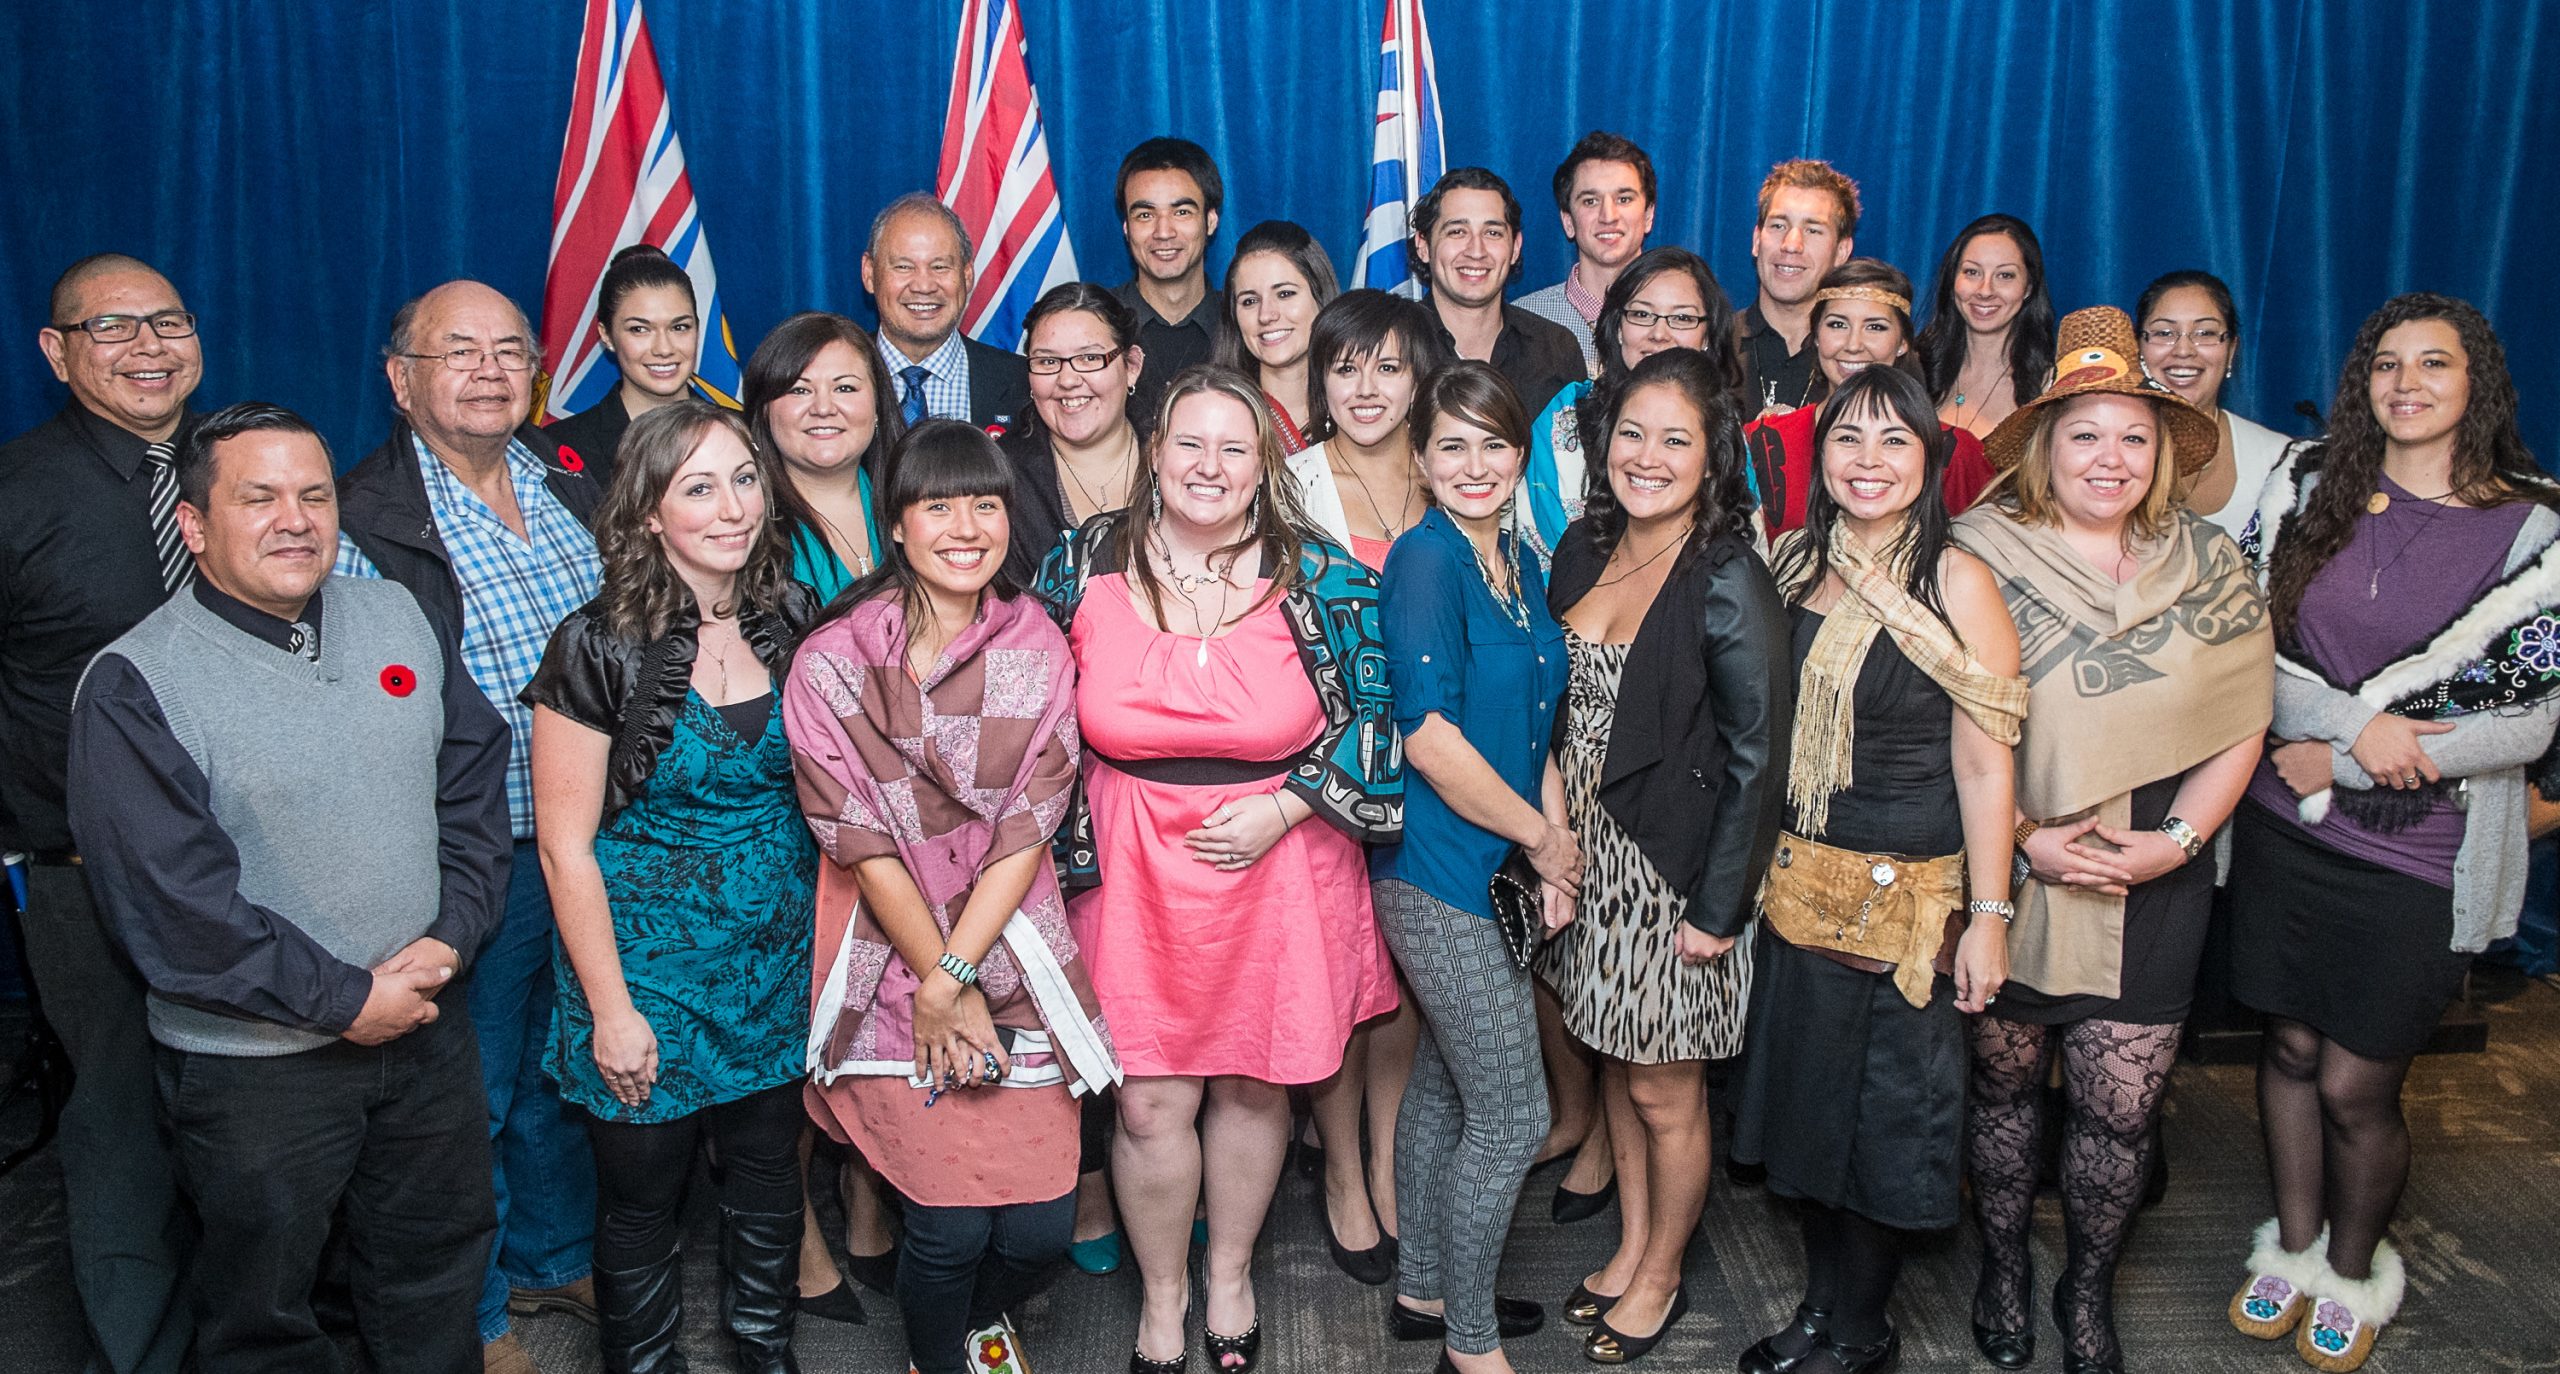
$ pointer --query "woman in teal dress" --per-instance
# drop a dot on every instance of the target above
(682, 879)
(818, 400)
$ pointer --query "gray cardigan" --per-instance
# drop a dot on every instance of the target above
(2489, 750)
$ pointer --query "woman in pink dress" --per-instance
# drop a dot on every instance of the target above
(1231, 687)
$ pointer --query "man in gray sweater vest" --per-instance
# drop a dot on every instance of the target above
(298, 830)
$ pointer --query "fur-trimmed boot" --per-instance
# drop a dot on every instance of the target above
(2271, 1300)
(2346, 1314)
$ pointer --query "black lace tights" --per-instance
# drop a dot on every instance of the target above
(2112, 1076)
(2336, 1143)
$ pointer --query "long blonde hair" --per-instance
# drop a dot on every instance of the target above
(2026, 490)
(1277, 522)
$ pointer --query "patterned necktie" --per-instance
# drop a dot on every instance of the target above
(177, 566)
(912, 409)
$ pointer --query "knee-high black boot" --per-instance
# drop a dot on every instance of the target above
(640, 1315)
(761, 1252)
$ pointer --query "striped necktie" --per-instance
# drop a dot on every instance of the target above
(177, 566)
(912, 410)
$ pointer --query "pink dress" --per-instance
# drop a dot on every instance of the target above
(1259, 973)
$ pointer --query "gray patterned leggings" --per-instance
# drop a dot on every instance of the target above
(1473, 1112)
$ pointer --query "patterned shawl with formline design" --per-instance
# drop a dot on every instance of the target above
(971, 764)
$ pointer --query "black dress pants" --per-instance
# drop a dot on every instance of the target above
(270, 1148)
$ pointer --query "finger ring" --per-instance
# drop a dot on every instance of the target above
(991, 1063)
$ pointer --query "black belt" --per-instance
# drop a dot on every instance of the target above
(1201, 772)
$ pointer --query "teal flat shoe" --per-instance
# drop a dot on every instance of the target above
(1100, 1255)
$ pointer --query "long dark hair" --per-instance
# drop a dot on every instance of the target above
(1067, 298)
(1945, 338)
(1724, 496)
(1720, 342)
(1290, 241)
(1276, 520)
(778, 362)
(1876, 274)
(641, 591)
(2491, 465)
(640, 265)
(1355, 325)
(938, 460)
(1893, 394)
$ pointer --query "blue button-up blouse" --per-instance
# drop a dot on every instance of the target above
(1452, 650)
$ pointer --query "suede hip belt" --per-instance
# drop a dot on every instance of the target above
(1877, 913)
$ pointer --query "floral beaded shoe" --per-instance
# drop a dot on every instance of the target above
(2346, 1314)
(2271, 1301)
(995, 1349)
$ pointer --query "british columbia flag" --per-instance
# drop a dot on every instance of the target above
(622, 181)
(1409, 156)
(995, 174)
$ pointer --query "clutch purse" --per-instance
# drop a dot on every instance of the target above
(1515, 890)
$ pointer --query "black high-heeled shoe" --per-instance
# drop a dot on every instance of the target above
(1373, 1266)
(2009, 1349)
(1608, 1345)
(1873, 1358)
(1247, 1348)
(1140, 1364)
(1764, 1357)
(1569, 1206)
(2073, 1362)
(1513, 1317)
(1582, 1307)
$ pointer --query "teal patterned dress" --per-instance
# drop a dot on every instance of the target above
(711, 875)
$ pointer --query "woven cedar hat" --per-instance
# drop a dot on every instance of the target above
(2095, 353)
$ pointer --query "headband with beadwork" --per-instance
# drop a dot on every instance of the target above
(1863, 293)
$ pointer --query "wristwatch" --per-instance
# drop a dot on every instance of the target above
(2186, 835)
(2006, 911)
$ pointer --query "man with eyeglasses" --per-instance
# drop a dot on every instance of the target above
(484, 518)
(89, 545)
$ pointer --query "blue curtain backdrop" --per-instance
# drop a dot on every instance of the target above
(300, 168)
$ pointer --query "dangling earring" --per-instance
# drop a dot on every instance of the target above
(1155, 504)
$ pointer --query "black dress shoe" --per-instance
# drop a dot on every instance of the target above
(879, 1272)
(1608, 1345)
(1513, 1317)
(1373, 1266)
(1875, 1358)
(1140, 1364)
(1742, 1175)
(2006, 1349)
(2074, 1363)
(1570, 1206)
(837, 1304)
(1582, 1307)
(1306, 1158)
(1765, 1358)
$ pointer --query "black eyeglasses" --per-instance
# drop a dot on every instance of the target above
(111, 329)
(1642, 318)
(1047, 364)
(512, 357)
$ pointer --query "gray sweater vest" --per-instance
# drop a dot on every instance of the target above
(323, 775)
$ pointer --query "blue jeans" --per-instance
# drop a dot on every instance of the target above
(960, 1268)
(543, 1175)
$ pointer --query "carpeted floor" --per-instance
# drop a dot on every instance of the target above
(2479, 1231)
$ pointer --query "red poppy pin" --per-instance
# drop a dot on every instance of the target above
(996, 430)
(570, 461)
(398, 680)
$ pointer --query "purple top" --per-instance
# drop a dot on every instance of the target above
(2403, 575)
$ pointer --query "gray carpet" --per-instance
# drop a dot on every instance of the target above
(2478, 1230)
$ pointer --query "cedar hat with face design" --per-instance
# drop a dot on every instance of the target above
(2095, 353)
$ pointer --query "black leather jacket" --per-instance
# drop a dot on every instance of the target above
(634, 691)
(1697, 764)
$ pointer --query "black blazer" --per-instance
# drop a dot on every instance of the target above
(1697, 764)
(999, 385)
(382, 507)
(593, 434)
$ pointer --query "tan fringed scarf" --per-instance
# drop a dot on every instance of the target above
(1873, 598)
(2129, 682)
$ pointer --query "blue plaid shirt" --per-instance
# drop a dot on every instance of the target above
(946, 376)
(514, 591)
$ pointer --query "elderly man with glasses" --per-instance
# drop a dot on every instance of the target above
(89, 545)
(484, 519)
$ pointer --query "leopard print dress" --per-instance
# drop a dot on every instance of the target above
(1617, 968)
